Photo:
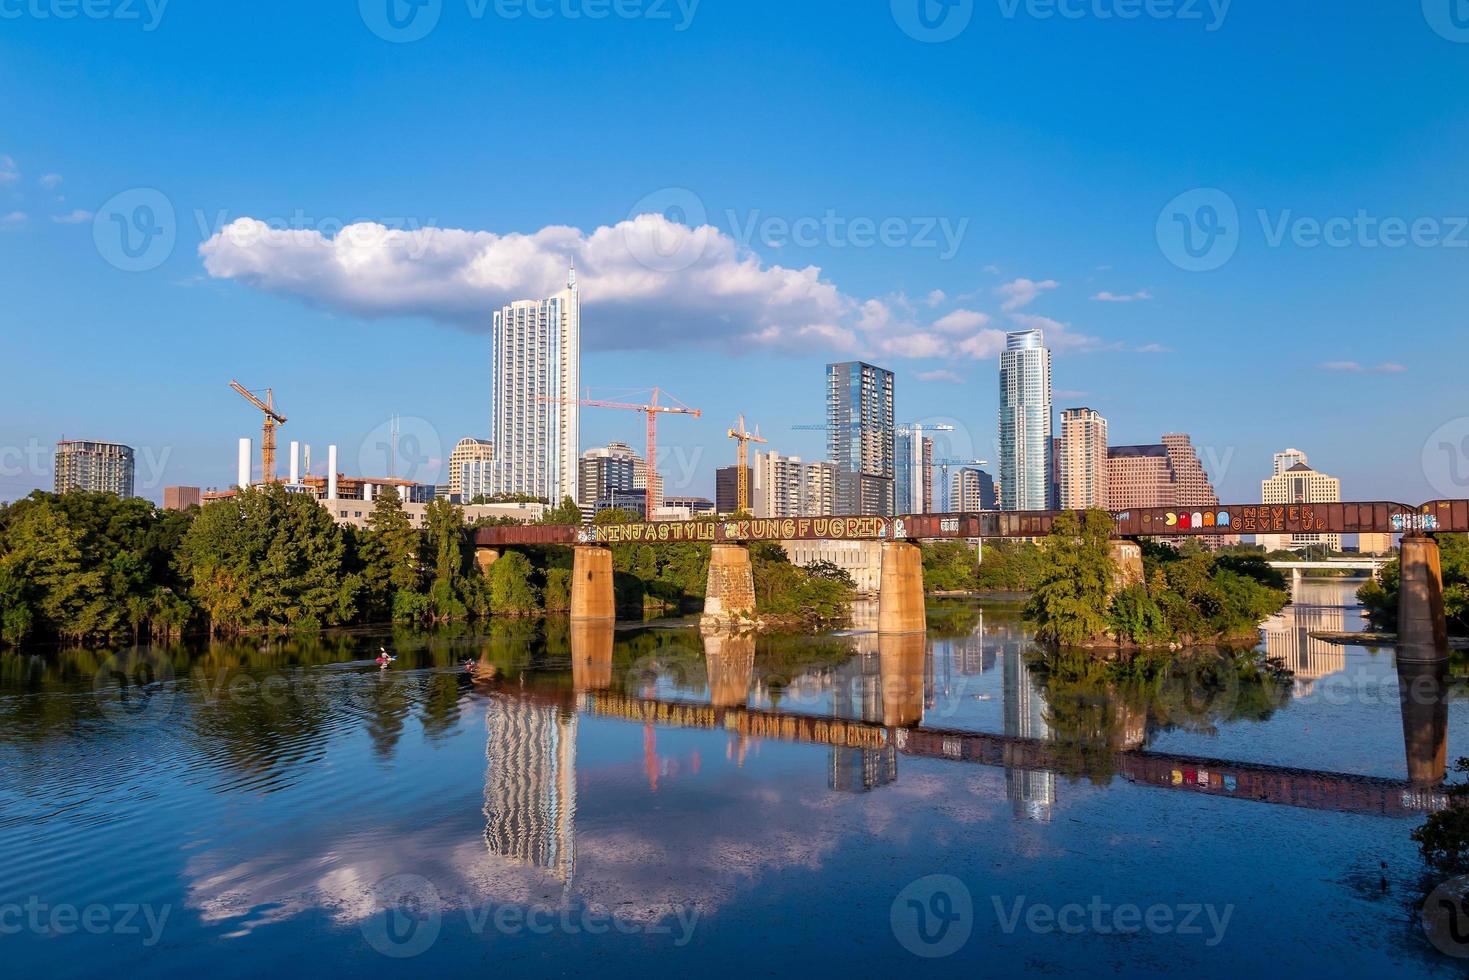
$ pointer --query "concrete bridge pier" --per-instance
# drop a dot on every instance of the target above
(730, 594)
(900, 663)
(591, 654)
(485, 557)
(1423, 632)
(1423, 692)
(591, 585)
(900, 606)
(1128, 557)
(730, 660)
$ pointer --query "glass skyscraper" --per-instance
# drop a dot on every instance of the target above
(1026, 445)
(536, 354)
(859, 437)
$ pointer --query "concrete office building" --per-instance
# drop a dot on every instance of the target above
(1298, 483)
(94, 467)
(973, 490)
(536, 354)
(606, 473)
(182, 498)
(1083, 457)
(469, 451)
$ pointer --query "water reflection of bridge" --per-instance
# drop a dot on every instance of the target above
(878, 701)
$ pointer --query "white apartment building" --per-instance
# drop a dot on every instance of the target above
(535, 356)
(787, 487)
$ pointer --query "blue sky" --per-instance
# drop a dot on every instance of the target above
(1019, 170)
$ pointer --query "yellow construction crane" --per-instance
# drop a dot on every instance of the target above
(744, 438)
(267, 431)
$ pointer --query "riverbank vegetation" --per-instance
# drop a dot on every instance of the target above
(82, 568)
(1184, 598)
(1380, 596)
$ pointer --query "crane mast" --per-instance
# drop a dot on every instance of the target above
(742, 476)
(267, 430)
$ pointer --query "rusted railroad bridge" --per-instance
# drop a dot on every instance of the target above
(731, 590)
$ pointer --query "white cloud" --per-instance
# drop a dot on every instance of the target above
(961, 321)
(985, 344)
(1021, 293)
(717, 292)
(13, 218)
(50, 181)
(921, 344)
(1151, 349)
(993, 270)
(647, 282)
(75, 217)
(1106, 297)
(9, 172)
(940, 376)
(1356, 367)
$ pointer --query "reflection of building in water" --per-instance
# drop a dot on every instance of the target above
(530, 785)
(856, 695)
(1031, 793)
(1288, 638)
(861, 770)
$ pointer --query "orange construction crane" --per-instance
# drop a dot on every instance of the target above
(267, 432)
(745, 438)
(652, 410)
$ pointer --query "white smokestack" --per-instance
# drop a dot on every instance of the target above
(367, 492)
(331, 472)
(295, 462)
(244, 465)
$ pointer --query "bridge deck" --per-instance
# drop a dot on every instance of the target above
(1375, 517)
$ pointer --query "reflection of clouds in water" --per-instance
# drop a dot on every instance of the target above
(643, 870)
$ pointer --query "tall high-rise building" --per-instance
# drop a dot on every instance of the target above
(536, 355)
(1299, 484)
(94, 467)
(859, 439)
(784, 486)
(913, 489)
(1083, 459)
(469, 451)
(972, 490)
(1025, 423)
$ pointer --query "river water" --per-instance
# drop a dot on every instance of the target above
(538, 799)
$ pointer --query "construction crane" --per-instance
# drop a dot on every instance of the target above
(745, 438)
(652, 410)
(267, 431)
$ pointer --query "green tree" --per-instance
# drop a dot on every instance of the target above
(1070, 604)
(511, 590)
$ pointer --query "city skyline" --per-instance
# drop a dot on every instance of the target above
(1150, 345)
